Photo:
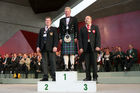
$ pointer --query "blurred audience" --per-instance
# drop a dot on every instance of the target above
(107, 60)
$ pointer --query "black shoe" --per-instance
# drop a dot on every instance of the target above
(86, 79)
(16, 77)
(44, 79)
(94, 79)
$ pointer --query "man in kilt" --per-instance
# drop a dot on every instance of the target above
(68, 37)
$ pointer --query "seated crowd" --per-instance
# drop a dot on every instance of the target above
(21, 63)
(116, 60)
(107, 60)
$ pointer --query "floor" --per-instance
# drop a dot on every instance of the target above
(101, 88)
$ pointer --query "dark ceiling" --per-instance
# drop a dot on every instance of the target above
(101, 8)
(42, 6)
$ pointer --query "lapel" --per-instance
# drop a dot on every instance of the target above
(64, 21)
(85, 29)
(47, 30)
(92, 27)
(70, 21)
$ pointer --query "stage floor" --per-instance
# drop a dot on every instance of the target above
(101, 88)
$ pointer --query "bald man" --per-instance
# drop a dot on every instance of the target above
(89, 44)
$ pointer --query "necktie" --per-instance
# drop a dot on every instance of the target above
(88, 28)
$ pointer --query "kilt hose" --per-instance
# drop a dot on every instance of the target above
(68, 48)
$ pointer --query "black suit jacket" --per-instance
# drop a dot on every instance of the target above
(51, 41)
(1, 60)
(8, 62)
(73, 27)
(134, 53)
(94, 38)
(15, 62)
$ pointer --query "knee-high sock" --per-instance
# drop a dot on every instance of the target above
(66, 60)
(72, 60)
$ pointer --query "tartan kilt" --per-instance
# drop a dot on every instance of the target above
(68, 48)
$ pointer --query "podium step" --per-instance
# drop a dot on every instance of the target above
(66, 76)
(131, 77)
(76, 86)
(66, 81)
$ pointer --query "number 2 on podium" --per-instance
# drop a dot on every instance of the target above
(46, 86)
(64, 76)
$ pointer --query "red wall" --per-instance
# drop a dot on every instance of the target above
(120, 30)
(20, 42)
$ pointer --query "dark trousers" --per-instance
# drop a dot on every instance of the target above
(129, 63)
(91, 62)
(116, 64)
(15, 69)
(1, 67)
(107, 65)
(23, 68)
(122, 63)
(48, 58)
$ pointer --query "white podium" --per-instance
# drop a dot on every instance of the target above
(66, 81)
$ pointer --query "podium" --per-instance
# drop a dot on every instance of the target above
(66, 81)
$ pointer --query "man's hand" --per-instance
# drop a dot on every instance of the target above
(38, 49)
(97, 49)
(54, 49)
(130, 56)
(127, 58)
(81, 50)
(60, 41)
(75, 40)
(118, 56)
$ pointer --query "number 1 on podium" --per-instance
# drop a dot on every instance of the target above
(64, 76)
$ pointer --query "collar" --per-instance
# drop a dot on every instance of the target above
(47, 27)
(68, 17)
(89, 25)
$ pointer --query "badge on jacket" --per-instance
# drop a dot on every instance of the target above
(51, 33)
(93, 31)
(89, 30)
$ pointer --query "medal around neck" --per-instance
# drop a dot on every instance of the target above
(67, 38)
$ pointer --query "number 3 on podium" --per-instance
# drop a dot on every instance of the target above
(85, 87)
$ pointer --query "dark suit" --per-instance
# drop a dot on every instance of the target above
(15, 66)
(46, 45)
(89, 48)
(1, 64)
(119, 60)
(7, 66)
(94, 38)
(73, 27)
(107, 61)
(51, 41)
(131, 61)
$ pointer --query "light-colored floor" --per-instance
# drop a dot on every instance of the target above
(101, 88)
